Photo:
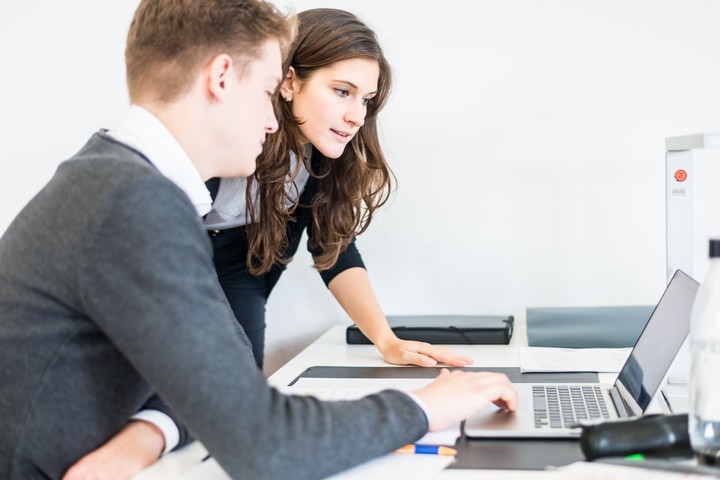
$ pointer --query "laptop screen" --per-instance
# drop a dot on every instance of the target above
(658, 344)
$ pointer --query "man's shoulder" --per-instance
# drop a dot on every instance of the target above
(105, 167)
(104, 155)
(110, 180)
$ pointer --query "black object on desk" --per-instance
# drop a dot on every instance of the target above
(513, 373)
(515, 454)
(445, 329)
(650, 434)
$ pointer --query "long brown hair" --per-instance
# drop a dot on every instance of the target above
(349, 188)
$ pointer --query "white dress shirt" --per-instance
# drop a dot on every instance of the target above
(144, 132)
(230, 208)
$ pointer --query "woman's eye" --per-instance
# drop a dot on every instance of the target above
(366, 101)
(343, 92)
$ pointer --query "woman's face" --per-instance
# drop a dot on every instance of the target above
(332, 103)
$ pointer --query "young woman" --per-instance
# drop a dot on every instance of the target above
(324, 172)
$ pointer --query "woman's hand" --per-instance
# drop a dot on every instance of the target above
(352, 290)
(407, 352)
(135, 447)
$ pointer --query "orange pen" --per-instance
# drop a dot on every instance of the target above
(428, 450)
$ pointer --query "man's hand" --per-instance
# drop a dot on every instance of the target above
(454, 396)
(136, 446)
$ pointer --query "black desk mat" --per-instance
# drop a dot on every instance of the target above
(496, 454)
(513, 373)
(515, 454)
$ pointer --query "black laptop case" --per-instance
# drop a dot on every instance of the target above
(445, 329)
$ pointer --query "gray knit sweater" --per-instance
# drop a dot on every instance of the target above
(108, 294)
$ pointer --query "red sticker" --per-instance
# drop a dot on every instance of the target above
(680, 175)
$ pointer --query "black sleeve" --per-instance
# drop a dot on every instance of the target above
(348, 258)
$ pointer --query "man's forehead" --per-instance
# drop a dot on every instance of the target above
(268, 64)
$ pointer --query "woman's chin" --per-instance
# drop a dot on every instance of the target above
(332, 152)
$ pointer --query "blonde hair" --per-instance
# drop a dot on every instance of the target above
(170, 40)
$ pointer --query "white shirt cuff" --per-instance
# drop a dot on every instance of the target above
(421, 405)
(164, 423)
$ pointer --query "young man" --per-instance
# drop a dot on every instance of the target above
(108, 292)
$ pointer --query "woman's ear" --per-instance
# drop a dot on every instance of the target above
(288, 87)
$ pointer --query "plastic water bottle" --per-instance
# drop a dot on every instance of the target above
(704, 415)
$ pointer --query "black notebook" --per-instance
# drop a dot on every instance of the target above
(445, 329)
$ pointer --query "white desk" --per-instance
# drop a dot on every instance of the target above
(331, 350)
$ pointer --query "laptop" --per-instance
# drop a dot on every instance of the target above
(557, 409)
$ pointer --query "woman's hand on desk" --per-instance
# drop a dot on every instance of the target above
(353, 292)
(454, 396)
(407, 352)
(138, 445)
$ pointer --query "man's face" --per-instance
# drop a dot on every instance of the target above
(249, 111)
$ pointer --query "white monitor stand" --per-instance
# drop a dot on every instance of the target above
(692, 217)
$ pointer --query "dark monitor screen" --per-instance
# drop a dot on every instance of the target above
(658, 344)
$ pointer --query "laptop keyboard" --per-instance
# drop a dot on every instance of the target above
(566, 405)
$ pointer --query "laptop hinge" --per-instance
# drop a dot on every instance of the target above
(621, 407)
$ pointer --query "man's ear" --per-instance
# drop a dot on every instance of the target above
(289, 85)
(219, 72)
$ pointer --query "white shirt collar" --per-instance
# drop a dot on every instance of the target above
(144, 132)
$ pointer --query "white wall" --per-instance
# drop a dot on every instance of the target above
(527, 137)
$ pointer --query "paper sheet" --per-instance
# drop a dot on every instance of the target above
(354, 388)
(394, 465)
(546, 359)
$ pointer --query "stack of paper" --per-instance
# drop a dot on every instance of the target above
(547, 359)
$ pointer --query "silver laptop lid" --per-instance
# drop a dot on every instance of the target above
(658, 344)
